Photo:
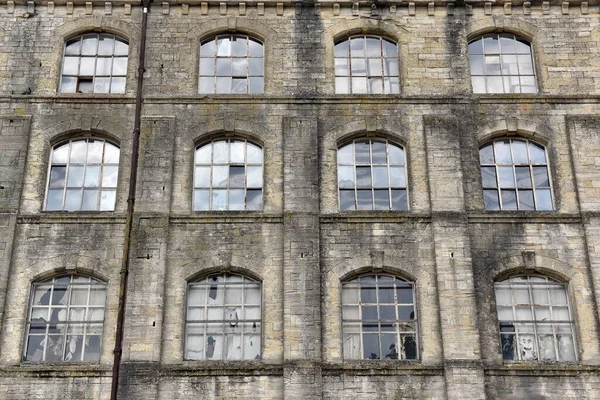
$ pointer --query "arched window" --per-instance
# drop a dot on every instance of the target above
(231, 64)
(366, 64)
(83, 176)
(515, 175)
(228, 175)
(66, 319)
(372, 175)
(535, 317)
(94, 63)
(379, 318)
(502, 63)
(223, 319)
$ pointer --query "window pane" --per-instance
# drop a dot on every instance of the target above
(239, 85)
(73, 200)
(202, 177)
(103, 65)
(92, 176)
(476, 47)
(256, 85)
(397, 177)
(219, 199)
(344, 155)
(478, 83)
(256, 67)
(396, 154)
(239, 46)
(54, 200)
(68, 85)
(203, 154)
(346, 177)
(224, 85)
(341, 49)
(399, 200)
(488, 177)
(544, 199)
(110, 176)
(236, 199)
(90, 200)
(78, 151)
(382, 199)
(519, 150)
(476, 64)
(220, 152)
(223, 46)
(57, 177)
(347, 200)
(357, 47)
(359, 85)
(506, 177)
(107, 200)
(255, 154)
(236, 176)
(361, 149)
(490, 199)
(220, 176)
(254, 199)
(526, 200)
(523, 176)
(540, 177)
(363, 177)
(380, 177)
(206, 85)
(255, 177)
(509, 199)
(364, 199)
(201, 200)
(538, 154)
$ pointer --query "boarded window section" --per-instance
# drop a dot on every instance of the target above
(372, 176)
(379, 318)
(502, 63)
(536, 323)
(83, 176)
(228, 176)
(66, 320)
(366, 64)
(94, 63)
(231, 64)
(515, 176)
(223, 319)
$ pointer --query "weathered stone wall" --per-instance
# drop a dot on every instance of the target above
(300, 246)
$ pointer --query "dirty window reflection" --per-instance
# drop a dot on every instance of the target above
(66, 319)
(223, 318)
(535, 320)
(379, 318)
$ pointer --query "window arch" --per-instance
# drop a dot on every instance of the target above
(94, 63)
(515, 175)
(535, 319)
(223, 318)
(379, 318)
(502, 63)
(366, 64)
(372, 175)
(83, 176)
(66, 319)
(228, 175)
(231, 63)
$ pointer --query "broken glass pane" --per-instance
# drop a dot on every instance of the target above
(371, 346)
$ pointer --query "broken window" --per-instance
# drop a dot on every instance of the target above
(223, 318)
(228, 175)
(502, 63)
(515, 175)
(94, 63)
(536, 323)
(83, 176)
(231, 64)
(372, 175)
(379, 318)
(66, 319)
(366, 64)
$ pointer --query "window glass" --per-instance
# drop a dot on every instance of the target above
(366, 64)
(228, 175)
(94, 63)
(515, 175)
(231, 64)
(83, 176)
(66, 320)
(223, 319)
(535, 319)
(379, 318)
(372, 176)
(501, 63)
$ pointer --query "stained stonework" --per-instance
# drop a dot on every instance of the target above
(300, 246)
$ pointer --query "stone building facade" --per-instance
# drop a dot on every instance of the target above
(299, 245)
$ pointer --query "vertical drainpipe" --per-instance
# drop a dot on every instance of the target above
(118, 351)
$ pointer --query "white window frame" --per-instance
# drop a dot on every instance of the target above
(524, 333)
(353, 326)
(56, 330)
(226, 322)
(68, 164)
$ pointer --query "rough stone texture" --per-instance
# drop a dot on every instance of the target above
(300, 246)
